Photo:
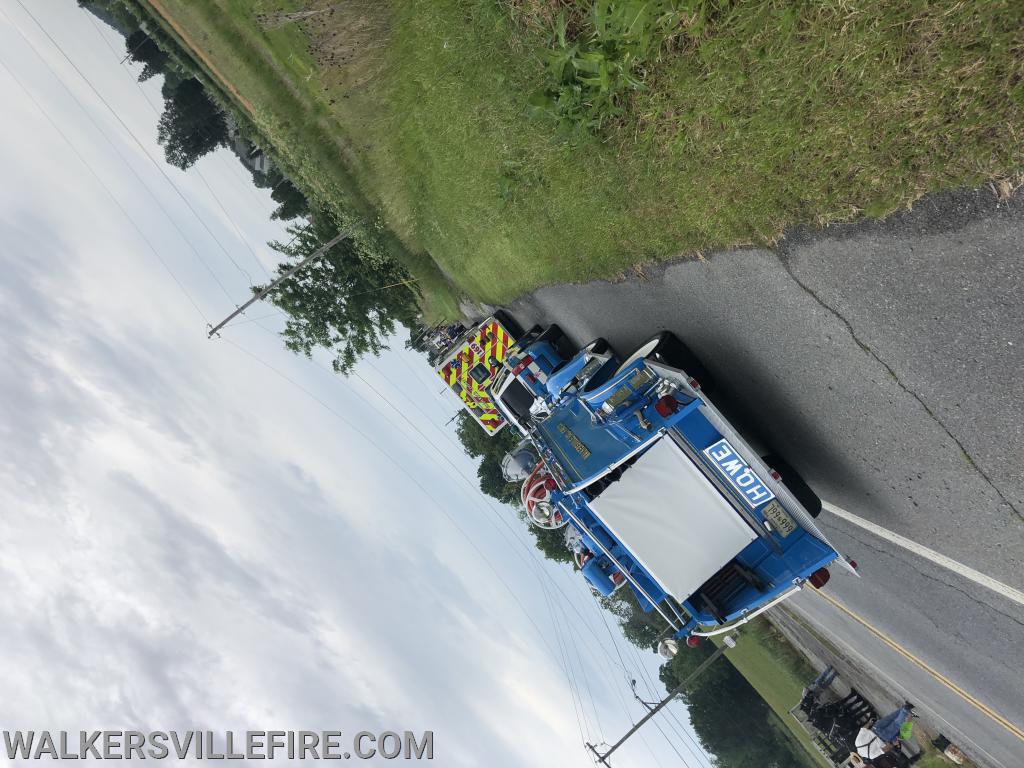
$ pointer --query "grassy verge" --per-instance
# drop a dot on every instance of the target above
(260, 75)
(754, 115)
(779, 674)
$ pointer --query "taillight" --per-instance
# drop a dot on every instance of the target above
(666, 406)
(522, 365)
(820, 578)
(692, 641)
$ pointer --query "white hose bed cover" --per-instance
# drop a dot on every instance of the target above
(672, 519)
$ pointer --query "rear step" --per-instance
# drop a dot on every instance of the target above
(724, 587)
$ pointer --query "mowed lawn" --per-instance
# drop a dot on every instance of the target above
(758, 116)
(779, 674)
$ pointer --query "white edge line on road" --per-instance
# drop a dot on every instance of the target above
(929, 554)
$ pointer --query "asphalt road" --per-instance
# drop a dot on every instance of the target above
(885, 362)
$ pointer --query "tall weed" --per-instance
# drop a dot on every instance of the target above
(601, 51)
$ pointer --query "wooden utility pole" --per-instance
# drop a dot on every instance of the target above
(315, 255)
(603, 757)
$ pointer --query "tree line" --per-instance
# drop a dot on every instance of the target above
(729, 717)
(339, 303)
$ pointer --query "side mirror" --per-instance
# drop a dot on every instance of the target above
(668, 648)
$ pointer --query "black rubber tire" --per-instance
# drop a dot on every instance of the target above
(672, 351)
(510, 324)
(529, 337)
(796, 484)
(551, 334)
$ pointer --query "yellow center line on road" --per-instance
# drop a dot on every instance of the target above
(980, 706)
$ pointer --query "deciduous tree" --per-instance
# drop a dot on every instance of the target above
(191, 124)
(337, 303)
(142, 49)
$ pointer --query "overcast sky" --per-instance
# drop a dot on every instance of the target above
(218, 534)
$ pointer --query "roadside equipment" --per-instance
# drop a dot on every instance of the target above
(842, 728)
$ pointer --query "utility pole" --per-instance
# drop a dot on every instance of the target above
(603, 758)
(133, 50)
(315, 255)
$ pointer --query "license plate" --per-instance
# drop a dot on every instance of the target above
(640, 378)
(734, 469)
(779, 518)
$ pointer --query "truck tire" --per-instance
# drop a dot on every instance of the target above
(669, 349)
(551, 334)
(514, 328)
(529, 336)
(556, 337)
(796, 484)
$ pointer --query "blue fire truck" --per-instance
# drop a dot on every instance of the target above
(657, 491)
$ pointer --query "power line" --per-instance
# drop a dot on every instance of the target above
(603, 757)
(547, 596)
(247, 182)
(124, 125)
(530, 550)
(199, 173)
(698, 752)
(234, 225)
(372, 442)
(675, 749)
(405, 419)
(569, 670)
(564, 662)
(544, 584)
(120, 154)
(677, 727)
(106, 189)
(269, 316)
(437, 503)
(249, 185)
(702, 757)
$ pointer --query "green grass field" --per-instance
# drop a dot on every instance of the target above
(779, 674)
(754, 116)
